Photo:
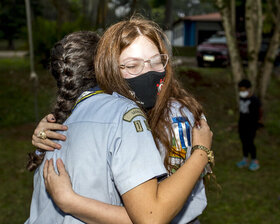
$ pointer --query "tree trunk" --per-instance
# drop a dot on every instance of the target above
(102, 13)
(168, 14)
(133, 7)
(254, 36)
(62, 11)
(233, 14)
(235, 60)
(269, 60)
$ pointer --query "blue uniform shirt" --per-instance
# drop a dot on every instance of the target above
(109, 151)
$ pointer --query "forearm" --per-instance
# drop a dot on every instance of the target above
(173, 192)
(159, 203)
(92, 211)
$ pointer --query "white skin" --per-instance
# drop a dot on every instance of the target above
(150, 202)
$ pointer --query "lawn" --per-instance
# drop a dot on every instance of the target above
(245, 197)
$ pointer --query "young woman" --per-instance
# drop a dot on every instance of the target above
(132, 60)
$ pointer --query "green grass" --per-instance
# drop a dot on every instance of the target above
(184, 51)
(245, 198)
(18, 44)
(17, 122)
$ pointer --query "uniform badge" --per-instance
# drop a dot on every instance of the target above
(134, 112)
(138, 126)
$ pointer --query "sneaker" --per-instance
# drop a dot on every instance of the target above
(254, 165)
(242, 163)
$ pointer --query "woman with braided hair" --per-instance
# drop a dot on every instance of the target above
(72, 67)
(132, 62)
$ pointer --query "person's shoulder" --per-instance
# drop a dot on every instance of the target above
(102, 108)
(177, 109)
(112, 101)
(255, 99)
(125, 102)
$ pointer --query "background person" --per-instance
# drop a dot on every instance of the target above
(249, 119)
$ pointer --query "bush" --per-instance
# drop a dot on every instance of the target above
(46, 33)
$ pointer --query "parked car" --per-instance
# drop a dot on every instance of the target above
(213, 51)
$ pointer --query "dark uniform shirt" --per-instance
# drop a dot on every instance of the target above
(249, 109)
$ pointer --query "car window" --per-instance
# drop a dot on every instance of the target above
(217, 40)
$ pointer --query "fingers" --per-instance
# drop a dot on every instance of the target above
(60, 167)
(49, 129)
(45, 144)
(202, 134)
(45, 173)
(51, 167)
(49, 126)
(55, 135)
(50, 118)
(203, 124)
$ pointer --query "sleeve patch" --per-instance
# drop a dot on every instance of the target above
(134, 112)
(147, 125)
(138, 126)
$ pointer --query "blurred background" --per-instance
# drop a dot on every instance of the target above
(214, 43)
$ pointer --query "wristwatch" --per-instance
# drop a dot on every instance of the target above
(210, 153)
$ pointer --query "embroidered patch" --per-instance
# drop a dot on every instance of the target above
(147, 125)
(134, 112)
(138, 126)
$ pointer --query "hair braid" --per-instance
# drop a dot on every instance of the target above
(72, 66)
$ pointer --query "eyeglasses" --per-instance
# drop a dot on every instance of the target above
(135, 66)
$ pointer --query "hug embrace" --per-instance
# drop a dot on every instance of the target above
(125, 142)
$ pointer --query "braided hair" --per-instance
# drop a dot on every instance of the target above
(72, 66)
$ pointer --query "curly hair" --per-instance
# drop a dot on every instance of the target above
(72, 66)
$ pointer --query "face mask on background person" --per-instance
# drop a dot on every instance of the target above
(146, 87)
(244, 94)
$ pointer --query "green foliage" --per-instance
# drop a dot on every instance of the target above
(46, 33)
(156, 3)
(13, 19)
(158, 15)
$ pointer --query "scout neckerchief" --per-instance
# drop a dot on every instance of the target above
(91, 92)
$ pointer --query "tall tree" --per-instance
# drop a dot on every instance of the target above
(63, 13)
(168, 18)
(254, 25)
(273, 10)
(102, 9)
(259, 76)
(235, 59)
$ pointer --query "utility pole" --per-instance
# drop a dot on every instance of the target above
(33, 75)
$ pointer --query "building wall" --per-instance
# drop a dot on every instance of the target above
(192, 33)
(178, 34)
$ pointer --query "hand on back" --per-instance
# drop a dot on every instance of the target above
(202, 135)
(48, 125)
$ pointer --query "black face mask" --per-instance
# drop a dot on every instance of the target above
(146, 87)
